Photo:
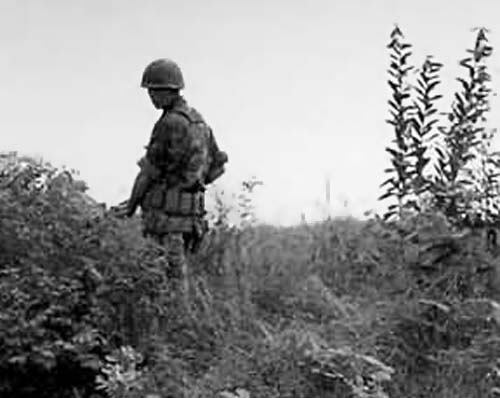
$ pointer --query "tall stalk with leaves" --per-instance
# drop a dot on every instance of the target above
(457, 166)
(423, 121)
(245, 206)
(398, 185)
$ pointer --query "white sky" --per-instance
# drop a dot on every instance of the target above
(294, 90)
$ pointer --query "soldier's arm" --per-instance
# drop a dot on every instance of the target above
(147, 174)
(218, 160)
(149, 168)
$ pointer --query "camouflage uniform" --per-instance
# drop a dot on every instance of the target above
(181, 158)
(173, 207)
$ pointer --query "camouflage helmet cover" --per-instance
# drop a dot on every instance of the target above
(162, 73)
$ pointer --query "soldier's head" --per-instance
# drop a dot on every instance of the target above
(163, 79)
(163, 98)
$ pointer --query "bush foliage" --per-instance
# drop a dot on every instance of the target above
(397, 306)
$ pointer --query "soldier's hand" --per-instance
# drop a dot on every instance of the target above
(122, 210)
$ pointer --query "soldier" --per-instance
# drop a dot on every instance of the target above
(181, 159)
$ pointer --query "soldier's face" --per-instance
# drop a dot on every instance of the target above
(161, 98)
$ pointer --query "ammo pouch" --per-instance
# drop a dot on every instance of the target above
(174, 201)
(181, 203)
(175, 211)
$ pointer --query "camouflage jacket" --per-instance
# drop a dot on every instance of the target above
(180, 153)
(182, 156)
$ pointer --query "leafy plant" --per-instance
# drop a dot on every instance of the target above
(464, 146)
(423, 121)
(399, 183)
(464, 180)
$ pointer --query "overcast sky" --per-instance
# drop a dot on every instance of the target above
(294, 90)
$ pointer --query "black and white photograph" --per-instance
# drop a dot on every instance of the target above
(249, 199)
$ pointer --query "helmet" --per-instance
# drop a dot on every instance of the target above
(162, 73)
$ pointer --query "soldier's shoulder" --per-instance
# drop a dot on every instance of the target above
(172, 120)
(190, 113)
(195, 116)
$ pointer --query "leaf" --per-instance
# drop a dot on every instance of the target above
(388, 181)
(393, 73)
(468, 157)
(18, 359)
(464, 83)
(395, 107)
(394, 86)
(407, 69)
(436, 65)
(435, 304)
(405, 57)
(395, 66)
(394, 152)
(429, 125)
(440, 153)
(436, 98)
(385, 196)
(465, 63)
(389, 215)
(45, 358)
(421, 118)
(91, 363)
(431, 86)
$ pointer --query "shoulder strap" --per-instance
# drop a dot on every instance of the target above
(191, 114)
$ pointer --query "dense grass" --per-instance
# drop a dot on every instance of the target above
(343, 308)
